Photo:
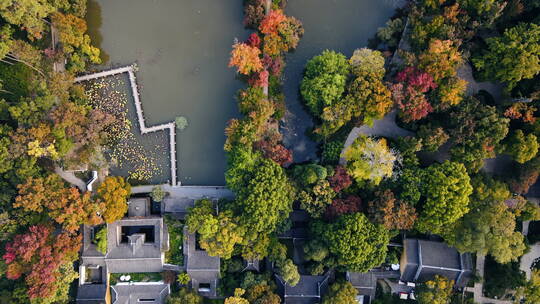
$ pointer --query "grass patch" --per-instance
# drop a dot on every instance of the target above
(137, 277)
(175, 255)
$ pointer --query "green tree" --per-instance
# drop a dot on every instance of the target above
(341, 293)
(218, 233)
(366, 61)
(370, 160)
(158, 194)
(432, 137)
(237, 297)
(289, 272)
(513, 56)
(476, 131)
(521, 147)
(183, 278)
(489, 228)
(262, 294)
(100, 239)
(185, 296)
(446, 188)
(27, 14)
(114, 191)
(324, 81)
(354, 242)
(256, 180)
(530, 293)
(315, 200)
(436, 291)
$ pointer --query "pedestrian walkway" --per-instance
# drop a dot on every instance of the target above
(70, 178)
(386, 127)
(170, 126)
(478, 288)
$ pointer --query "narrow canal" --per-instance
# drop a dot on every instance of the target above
(182, 50)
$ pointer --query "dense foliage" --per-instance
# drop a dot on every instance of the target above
(353, 242)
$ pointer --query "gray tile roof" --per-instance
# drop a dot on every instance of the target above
(91, 294)
(137, 256)
(198, 260)
(310, 289)
(422, 260)
(133, 293)
(139, 207)
(365, 283)
(202, 268)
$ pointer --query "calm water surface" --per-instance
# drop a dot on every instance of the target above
(182, 49)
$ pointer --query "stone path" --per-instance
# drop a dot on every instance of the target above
(170, 126)
(180, 198)
(70, 178)
(386, 127)
(473, 87)
(478, 288)
(527, 260)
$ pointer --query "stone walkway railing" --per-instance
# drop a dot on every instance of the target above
(130, 70)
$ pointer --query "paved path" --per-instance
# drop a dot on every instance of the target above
(473, 87)
(170, 126)
(180, 198)
(527, 260)
(71, 178)
(477, 290)
(386, 127)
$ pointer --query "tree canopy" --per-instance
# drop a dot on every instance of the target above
(354, 242)
(436, 291)
(324, 81)
(114, 191)
(264, 193)
(513, 56)
(446, 188)
(340, 293)
(370, 160)
(217, 233)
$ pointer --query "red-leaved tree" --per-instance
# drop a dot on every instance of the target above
(340, 180)
(341, 206)
(276, 152)
(38, 254)
(409, 93)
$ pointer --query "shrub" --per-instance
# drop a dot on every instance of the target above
(181, 123)
(183, 278)
(100, 239)
(158, 194)
(332, 151)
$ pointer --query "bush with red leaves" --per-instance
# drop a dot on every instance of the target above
(340, 180)
(275, 152)
(341, 206)
(254, 40)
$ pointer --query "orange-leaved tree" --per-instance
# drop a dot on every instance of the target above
(114, 191)
(65, 205)
(246, 58)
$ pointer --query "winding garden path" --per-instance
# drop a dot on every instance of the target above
(386, 127)
(70, 178)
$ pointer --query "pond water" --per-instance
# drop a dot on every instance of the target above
(182, 50)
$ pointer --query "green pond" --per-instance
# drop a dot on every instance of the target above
(182, 49)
